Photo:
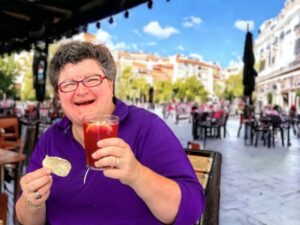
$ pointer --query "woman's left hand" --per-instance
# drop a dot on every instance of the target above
(117, 160)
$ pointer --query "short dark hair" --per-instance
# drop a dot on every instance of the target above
(76, 51)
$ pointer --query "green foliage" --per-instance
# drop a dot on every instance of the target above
(9, 69)
(298, 92)
(260, 65)
(189, 89)
(129, 88)
(27, 90)
(163, 91)
(270, 97)
(124, 83)
(139, 87)
(234, 86)
(219, 91)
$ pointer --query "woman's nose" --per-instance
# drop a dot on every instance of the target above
(81, 89)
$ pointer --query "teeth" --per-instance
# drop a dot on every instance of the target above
(84, 103)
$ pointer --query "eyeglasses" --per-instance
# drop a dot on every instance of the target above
(72, 85)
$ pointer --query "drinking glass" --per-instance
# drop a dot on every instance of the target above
(96, 128)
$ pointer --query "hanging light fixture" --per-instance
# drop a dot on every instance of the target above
(98, 25)
(111, 20)
(150, 4)
(126, 14)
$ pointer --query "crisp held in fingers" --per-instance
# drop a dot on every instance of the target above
(60, 167)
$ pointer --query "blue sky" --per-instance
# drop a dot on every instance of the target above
(211, 30)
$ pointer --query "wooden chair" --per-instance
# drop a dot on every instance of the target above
(243, 121)
(10, 140)
(193, 145)
(263, 130)
(10, 125)
(9, 135)
(207, 166)
(3, 208)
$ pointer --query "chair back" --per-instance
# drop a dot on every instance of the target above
(193, 145)
(10, 125)
(3, 207)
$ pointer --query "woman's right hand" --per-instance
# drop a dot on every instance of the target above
(36, 186)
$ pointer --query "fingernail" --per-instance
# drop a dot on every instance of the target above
(93, 155)
(99, 143)
(49, 171)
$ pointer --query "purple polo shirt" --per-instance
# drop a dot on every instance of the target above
(102, 200)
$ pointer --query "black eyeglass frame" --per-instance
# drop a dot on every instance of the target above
(58, 86)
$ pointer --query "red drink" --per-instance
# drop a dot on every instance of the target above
(97, 129)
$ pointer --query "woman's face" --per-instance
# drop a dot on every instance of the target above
(85, 100)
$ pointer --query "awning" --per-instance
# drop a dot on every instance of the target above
(26, 22)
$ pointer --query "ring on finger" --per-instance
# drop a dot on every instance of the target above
(117, 162)
(37, 195)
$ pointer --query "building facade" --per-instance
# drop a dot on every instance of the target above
(277, 51)
(155, 68)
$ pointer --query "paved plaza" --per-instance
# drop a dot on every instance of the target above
(259, 186)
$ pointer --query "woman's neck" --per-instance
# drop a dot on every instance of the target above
(78, 134)
(77, 130)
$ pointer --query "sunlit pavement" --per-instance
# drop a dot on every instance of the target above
(259, 186)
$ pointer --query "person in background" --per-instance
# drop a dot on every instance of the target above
(147, 179)
(294, 119)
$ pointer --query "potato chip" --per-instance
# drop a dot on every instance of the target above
(60, 167)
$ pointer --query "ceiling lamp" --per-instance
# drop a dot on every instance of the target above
(98, 25)
(111, 20)
(126, 14)
(150, 4)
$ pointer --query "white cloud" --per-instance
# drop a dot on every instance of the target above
(103, 37)
(180, 48)
(196, 56)
(244, 24)
(191, 21)
(154, 29)
(120, 46)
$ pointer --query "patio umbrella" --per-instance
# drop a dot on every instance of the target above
(249, 72)
(39, 67)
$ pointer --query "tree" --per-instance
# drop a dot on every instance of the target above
(163, 91)
(219, 90)
(9, 70)
(27, 90)
(270, 97)
(189, 88)
(124, 83)
(234, 87)
(140, 88)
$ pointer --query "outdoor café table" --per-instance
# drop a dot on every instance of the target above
(9, 157)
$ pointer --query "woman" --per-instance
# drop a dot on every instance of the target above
(149, 180)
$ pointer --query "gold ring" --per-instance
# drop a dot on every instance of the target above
(37, 195)
(117, 162)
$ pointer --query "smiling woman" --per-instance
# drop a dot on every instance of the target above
(147, 177)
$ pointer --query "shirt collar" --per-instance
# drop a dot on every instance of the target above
(121, 111)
